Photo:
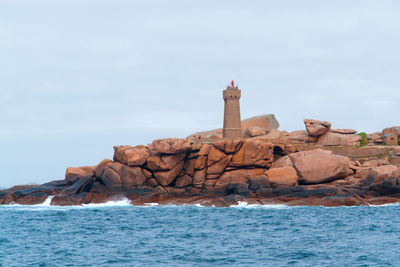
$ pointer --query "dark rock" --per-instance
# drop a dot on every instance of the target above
(265, 192)
(237, 188)
(183, 181)
(32, 198)
(287, 190)
(82, 185)
(388, 187)
(320, 192)
(258, 182)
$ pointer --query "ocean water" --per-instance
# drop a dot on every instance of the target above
(118, 234)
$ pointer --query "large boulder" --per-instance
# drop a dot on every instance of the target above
(99, 170)
(336, 139)
(254, 131)
(111, 177)
(319, 166)
(137, 156)
(378, 174)
(164, 163)
(131, 176)
(317, 128)
(237, 176)
(218, 167)
(200, 163)
(119, 153)
(134, 156)
(282, 176)
(298, 136)
(253, 152)
(169, 146)
(267, 122)
(118, 176)
(165, 178)
(217, 161)
(73, 173)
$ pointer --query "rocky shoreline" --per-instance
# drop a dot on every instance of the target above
(318, 166)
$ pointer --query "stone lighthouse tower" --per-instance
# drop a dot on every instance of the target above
(232, 124)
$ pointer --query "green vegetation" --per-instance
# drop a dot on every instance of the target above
(364, 140)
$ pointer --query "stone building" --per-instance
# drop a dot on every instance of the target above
(232, 123)
(390, 139)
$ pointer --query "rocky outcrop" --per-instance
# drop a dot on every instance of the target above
(316, 166)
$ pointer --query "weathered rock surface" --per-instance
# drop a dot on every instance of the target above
(79, 172)
(164, 163)
(336, 139)
(282, 176)
(237, 176)
(254, 131)
(343, 131)
(267, 122)
(253, 152)
(166, 177)
(298, 136)
(137, 156)
(169, 146)
(317, 166)
(317, 128)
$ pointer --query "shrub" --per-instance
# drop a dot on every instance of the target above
(364, 139)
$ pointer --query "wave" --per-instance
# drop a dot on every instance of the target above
(243, 204)
(385, 205)
(124, 202)
(46, 205)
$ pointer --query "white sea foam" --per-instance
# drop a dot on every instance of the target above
(114, 203)
(243, 204)
(151, 204)
(385, 205)
(46, 205)
(46, 202)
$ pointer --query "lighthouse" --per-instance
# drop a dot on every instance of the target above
(232, 123)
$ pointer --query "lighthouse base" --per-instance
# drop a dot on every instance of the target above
(232, 133)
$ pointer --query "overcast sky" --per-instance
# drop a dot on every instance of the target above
(77, 77)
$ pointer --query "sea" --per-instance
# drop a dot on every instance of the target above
(119, 234)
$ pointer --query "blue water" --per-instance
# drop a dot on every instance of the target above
(121, 235)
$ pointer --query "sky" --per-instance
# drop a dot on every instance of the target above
(80, 76)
